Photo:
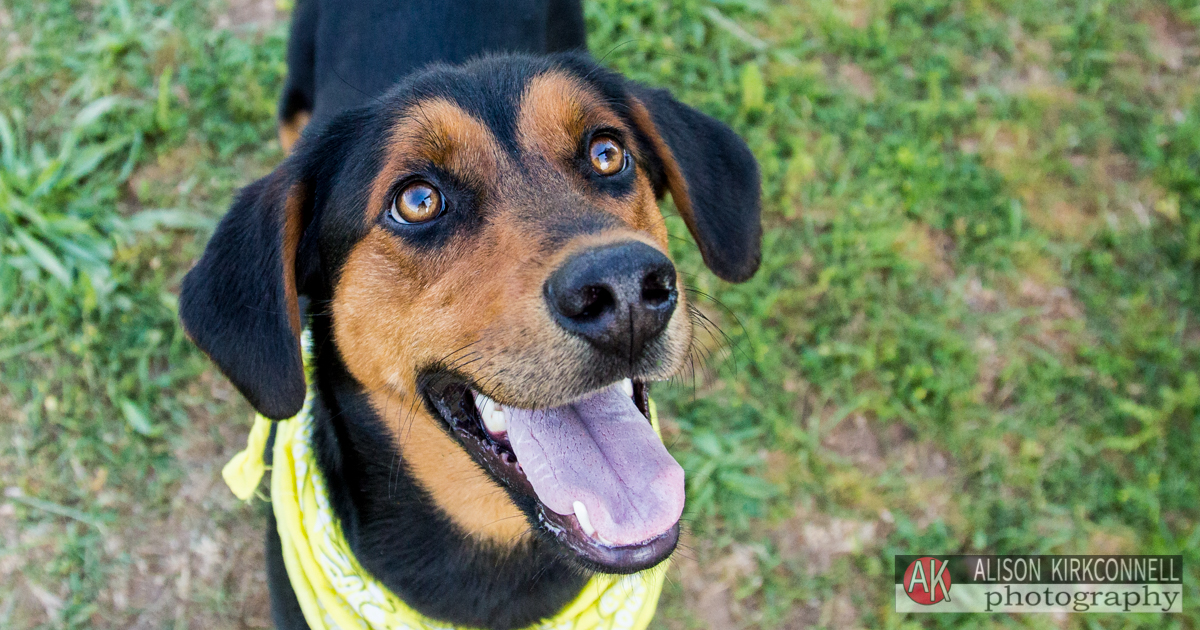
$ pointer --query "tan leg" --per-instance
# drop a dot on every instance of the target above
(289, 130)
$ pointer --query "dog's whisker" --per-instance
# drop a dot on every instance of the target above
(719, 303)
(504, 518)
(412, 415)
(712, 326)
(456, 351)
(725, 344)
(686, 552)
(464, 362)
(519, 535)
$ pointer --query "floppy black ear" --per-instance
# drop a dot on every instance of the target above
(712, 176)
(240, 305)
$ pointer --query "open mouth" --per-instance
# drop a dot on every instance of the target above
(603, 483)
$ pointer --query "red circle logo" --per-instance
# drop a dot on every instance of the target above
(927, 581)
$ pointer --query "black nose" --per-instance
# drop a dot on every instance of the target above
(618, 297)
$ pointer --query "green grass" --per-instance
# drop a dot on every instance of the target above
(974, 330)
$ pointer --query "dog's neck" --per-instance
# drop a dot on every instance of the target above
(398, 533)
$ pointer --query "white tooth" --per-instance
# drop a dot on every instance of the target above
(496, 421)
(485, 406)
(492, 414)
(627, 387)
(581, 515)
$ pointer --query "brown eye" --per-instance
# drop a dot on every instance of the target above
(417, 203)
(608, 158)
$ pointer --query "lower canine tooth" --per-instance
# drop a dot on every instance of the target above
(581, 515)
(627, 387)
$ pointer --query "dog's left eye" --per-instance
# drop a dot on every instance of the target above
(607, 155)
(418, 202)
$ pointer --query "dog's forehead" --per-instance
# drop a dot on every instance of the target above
(502, 131)
(520, 106)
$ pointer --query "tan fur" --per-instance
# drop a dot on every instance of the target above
(439, 132)
(676, 183)
(476, 305)
(292, 230)
(556, 110)
(471, 499)
(290, 130)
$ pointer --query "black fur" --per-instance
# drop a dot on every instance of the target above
(233, 303)
(401, 538)
(236, 292)
(343, 54)
(300, 90)
(722, 180)
(285, 608)
(723, 183)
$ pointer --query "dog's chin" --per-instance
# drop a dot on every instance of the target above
(595, 451)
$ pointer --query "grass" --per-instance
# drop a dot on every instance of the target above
(975, 328)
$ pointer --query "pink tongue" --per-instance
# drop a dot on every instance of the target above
(602, 452)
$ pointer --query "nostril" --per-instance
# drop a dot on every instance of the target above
(657, 288)
(596, 299)
(617, 297)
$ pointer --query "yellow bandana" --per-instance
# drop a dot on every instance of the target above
(334, 591)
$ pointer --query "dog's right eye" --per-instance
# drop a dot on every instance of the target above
(417, 202)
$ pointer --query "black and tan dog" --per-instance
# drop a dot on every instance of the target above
(489, 291)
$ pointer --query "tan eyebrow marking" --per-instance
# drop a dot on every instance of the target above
(440, 132)
(555, 111)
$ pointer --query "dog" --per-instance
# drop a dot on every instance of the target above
(467, 225)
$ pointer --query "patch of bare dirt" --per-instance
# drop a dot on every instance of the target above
(856, 13)
(254, 14)
(817, 540)
(979, 298)
(854, 440)
(931, 485)
(1053, 320)
(1112, 541)
(933, 249)
(1103, 191)
(991, 363)
(196, 562)
(1052, 324)
(839, 612)
(200, 564)
(166, 177)
(1029, 72)
(13, 47)
(709, 587)
(1051, 302)
(813, 542)
(854, 77)
(1171, 40)
(1005, 147)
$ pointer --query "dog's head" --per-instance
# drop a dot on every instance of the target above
(487, 243)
